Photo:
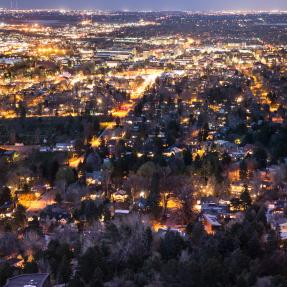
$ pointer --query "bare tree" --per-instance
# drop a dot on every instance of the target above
(185, 194)
(136, 183)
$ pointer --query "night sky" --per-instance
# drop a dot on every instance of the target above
(193, 5)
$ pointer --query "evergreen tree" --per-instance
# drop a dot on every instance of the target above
(171, 245)
(31, 267)
(197, 233)
(5, 195)
(187, 157)
(245, 198)
(6, 271)
(20, 215)
(58, 198)
(64, 271)
(243, 171)
(153, 199)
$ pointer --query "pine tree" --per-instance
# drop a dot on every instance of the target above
(243, 171)
(245, 198)
(64, 271)
(154, 196)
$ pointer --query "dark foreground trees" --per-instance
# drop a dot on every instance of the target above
(127, 253)
(245, 254)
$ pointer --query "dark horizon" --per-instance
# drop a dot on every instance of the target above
(161, 5)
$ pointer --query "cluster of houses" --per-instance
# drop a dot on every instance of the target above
(59, 147)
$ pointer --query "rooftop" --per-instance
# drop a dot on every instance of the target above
(28, 280)
(211, 219)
